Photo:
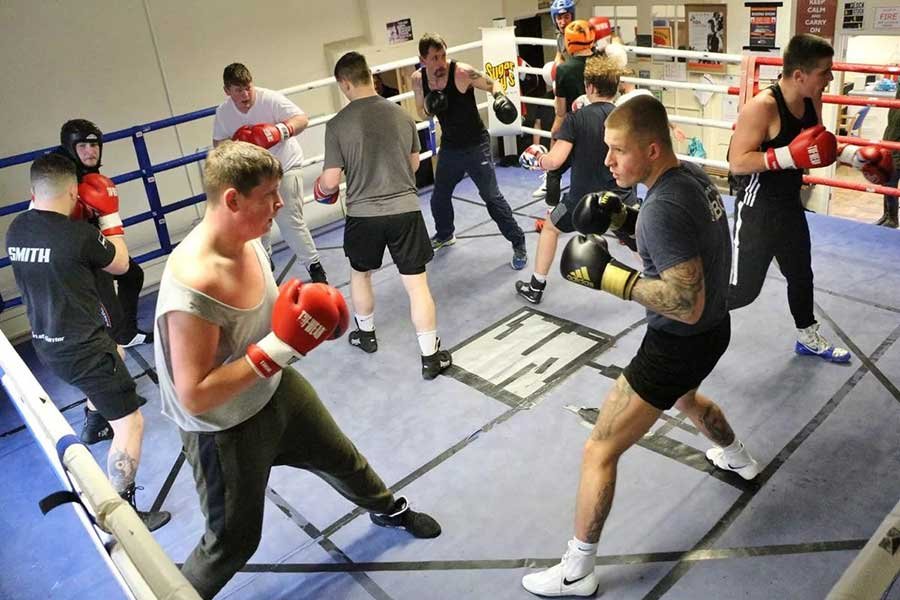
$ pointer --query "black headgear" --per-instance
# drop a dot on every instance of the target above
(78, 131)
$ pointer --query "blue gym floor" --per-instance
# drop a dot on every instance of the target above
(492, 449)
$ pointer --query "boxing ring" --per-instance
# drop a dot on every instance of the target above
(140, 565)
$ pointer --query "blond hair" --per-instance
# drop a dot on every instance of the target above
(238, 165)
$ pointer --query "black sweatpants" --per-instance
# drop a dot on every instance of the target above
(767, 228)
(231, 472)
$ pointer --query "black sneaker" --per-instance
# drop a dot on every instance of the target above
(140, 337)
(153, 520)
(364, 340)
(533, 291)
(418, 524)
(317, 273)
(96, 428)
(437, 244)
(435, 364)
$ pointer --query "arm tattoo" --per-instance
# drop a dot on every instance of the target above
(121, 469)
(675, 293)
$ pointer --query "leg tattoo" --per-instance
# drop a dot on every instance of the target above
(717, 427)
(121, 468)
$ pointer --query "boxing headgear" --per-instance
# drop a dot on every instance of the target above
(579, 37)
(79, 131)
(557, 7)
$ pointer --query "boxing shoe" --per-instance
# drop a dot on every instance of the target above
(533, 291)
(738, 461)
(437, 244)
(572, 576)
(96, 428)
(364, 340)
(153, 519)
(520, 258)
(811, 343)
(541, 192)
(435, 364)
(317, 273)
(419, 524)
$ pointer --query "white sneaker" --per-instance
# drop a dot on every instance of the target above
(812, 343)
(541, 191)
(553, 582)
(741, 463)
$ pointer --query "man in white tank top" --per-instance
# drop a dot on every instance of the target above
(224, 335)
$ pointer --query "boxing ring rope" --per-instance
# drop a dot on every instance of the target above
(138, 563)
(736, 91)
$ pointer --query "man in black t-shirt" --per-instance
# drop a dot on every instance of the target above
(82, 142)
(579, 142)
(55, 260)
(683, 240)
(579, 37)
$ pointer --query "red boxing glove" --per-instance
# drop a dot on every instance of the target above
(878, 165)
(266, 135)
(812, 148)
(99, 194)
(322, 196)
(304, 316)
(79, 212)
(244, 134)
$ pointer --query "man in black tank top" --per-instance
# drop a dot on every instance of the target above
(446, 90)
(778, 134)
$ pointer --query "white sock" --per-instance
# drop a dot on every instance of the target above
(735, 449)
(365, 322)
(585, 548)
(427, 342)
(581, 559)
(539, 278)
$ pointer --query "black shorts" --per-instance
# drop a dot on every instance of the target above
(561, 215)
(104, 379)
(405, 235)
(668, 366)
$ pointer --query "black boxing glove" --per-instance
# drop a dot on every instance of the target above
(436, 102)
(504, 109)
(586, 261)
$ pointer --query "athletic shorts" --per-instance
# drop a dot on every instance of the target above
(404, 235)
(561, 215)
(668, 366)
(104, 379)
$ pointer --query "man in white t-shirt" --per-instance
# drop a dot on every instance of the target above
(268, 119)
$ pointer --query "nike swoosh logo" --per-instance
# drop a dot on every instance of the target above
(573, 582)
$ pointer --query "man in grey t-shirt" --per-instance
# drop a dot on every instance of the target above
(682, 237)
(376, 144)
